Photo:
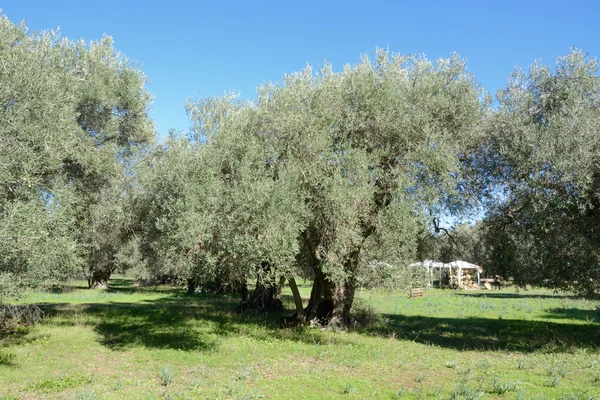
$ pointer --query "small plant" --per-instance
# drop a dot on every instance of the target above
(349, 388)
(522, 364)
(554, 381)
(483, 365)
(60, 383)
(401, 393)
(366, 314)
(7, 358)
(420, 377)
(451, 364)
(244, 374)
(166, 376)
(87, 395)
(578, 396)
(499, 387)
(521, 395)
(462, 391)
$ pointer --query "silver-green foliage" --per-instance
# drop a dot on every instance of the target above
(545, 153)
(67, 110)
(327, 169)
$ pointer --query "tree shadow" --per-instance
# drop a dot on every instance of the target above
(181, 322)
(199, 322)
(128, 286)
(161, 324)
(499, 295)
(492, 334)
(563, 313)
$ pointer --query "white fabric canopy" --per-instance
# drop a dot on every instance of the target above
(458, 265)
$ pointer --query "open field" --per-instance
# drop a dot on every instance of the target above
(150, 343)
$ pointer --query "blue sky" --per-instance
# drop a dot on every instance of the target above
(195, 48)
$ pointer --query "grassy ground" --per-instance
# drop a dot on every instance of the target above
(148, 343)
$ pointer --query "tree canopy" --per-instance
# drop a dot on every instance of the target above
(69, 113)
(326, 171)
(545, 156)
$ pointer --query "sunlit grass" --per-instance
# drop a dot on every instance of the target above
(130, 342)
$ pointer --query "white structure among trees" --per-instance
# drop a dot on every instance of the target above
(459, 272)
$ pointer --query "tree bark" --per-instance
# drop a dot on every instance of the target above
(330, 303)
(297, 298)
(191, 285)
(266, 297)
(99, 279)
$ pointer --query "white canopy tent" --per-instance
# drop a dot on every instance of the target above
(465, 266)
(458, 266)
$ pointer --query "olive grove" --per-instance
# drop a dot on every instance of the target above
(340, 176)
(327, 171)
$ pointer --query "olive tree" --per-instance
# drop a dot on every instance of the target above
(69, 112)
(544, 152)
(362, 154)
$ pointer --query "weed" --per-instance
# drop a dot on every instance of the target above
(578, 396)
(451, 364)
(349, 388)
(523, 363)
(483, 365)
(251, 395)
(366, 314)
(86, 395)
(244, 374)
(521, 395)
(7, 358)
(420, 377)
(463, 391)
(500, 387)
(60, 383)
(166, 376)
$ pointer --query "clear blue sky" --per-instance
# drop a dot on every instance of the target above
(191, 48)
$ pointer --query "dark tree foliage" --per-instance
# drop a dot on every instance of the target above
(545, 147)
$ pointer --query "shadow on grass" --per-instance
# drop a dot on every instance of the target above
(563, 313)
(127, 286)
(199, 322)
(516, 296)
(182, 322)
(492, 334)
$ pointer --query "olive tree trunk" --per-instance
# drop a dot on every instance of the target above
(266, 297)
(99, 278)
(330, 302)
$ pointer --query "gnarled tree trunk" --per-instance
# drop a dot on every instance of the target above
(99, 278)
(191, 285)
(330, 302)
(266, 297)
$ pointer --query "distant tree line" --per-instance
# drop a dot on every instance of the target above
(342, 177)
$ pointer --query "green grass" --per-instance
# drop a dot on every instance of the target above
(151, 343)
